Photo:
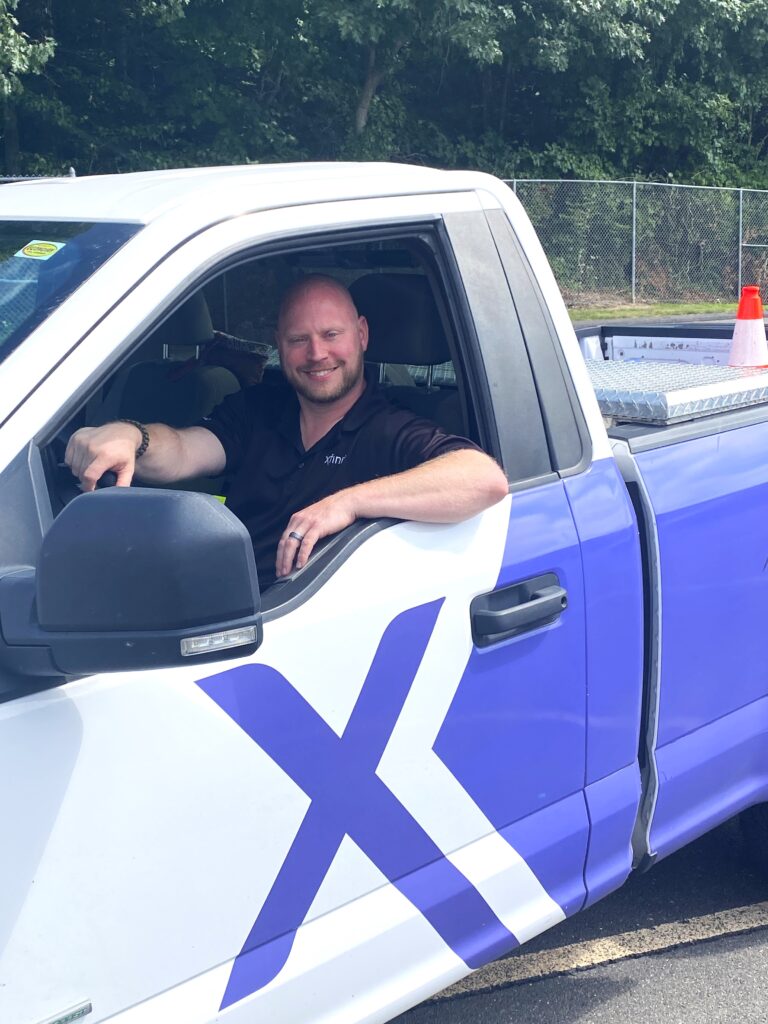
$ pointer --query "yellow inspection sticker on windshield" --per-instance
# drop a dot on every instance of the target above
(37, 249)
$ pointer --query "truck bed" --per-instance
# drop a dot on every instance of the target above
(661, 384)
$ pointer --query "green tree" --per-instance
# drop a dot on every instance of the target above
(676, 89)
(384, 38)
(157, 83)
(18, 56)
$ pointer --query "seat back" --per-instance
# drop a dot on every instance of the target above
(158, 390)
(167, 392)
(406, 332)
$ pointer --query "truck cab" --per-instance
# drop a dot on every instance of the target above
(326, 798)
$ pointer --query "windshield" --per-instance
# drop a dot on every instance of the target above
(43, 262)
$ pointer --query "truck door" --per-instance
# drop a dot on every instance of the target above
(389, 793)
(610, 547)
(703, 489)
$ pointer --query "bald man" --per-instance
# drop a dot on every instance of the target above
(305, 467)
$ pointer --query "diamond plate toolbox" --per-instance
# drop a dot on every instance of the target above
(646, 391)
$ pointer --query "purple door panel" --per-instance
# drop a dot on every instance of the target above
(553, 843)
(612, 804)
(710, 503)
(522, 702)
(613, 585)
(710, 499)
(710, 775)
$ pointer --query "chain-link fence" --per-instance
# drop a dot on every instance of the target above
(613, 242)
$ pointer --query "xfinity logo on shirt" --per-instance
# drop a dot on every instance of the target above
(334, 460)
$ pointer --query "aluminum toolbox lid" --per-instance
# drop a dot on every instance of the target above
(646, 391)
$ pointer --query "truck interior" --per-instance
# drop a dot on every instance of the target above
(221, 338)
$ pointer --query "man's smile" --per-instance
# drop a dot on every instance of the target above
(320, 374)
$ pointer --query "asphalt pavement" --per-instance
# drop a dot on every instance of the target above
(686, 942)
(712, 982)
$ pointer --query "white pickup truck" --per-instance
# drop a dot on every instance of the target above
(326, 799)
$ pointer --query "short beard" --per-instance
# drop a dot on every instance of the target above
(350, 378)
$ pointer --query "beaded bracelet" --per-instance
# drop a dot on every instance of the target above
(144, 436)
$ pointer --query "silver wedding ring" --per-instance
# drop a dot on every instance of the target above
(296, 536)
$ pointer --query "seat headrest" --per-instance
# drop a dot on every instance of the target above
(403, 319)
(190, 324)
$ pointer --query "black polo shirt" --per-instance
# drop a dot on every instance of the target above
(273, 476)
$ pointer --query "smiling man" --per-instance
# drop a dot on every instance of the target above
(322, 341)
(307, 464)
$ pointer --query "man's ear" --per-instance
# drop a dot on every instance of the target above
(362, 324)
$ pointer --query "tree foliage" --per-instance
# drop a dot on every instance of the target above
(19, 56)
(676, 89)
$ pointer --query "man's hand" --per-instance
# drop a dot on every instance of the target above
(92, 451)
(447, 489)
(172, 454)
(311, 524)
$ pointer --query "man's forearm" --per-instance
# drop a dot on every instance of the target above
(164, 460)
(171, 454)
(447, 489)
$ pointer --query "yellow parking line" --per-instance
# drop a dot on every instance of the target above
(582, 955)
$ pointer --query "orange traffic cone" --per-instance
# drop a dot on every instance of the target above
(749, 346)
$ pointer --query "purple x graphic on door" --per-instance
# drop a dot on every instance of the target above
(338, 774)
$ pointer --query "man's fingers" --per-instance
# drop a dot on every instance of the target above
(286, 551)
(310, 536)
(92, 451)
(74, 458)
(310, 525)
(291, 546)
(93, 472)
(306, 547)
(70, 451)
(292, 552)
(124, 476)
(89, 476)
(280, 558)
(78, 455)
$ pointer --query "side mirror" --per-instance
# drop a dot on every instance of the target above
(132, 578)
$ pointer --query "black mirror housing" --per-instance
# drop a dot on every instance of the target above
(131, 578)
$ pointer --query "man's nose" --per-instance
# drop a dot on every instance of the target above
(316, 348)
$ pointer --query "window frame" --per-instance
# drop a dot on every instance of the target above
(494, 331)
(568, 437)
(211, 253)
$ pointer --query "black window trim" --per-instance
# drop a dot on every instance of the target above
(564, 418)
(499, 351)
